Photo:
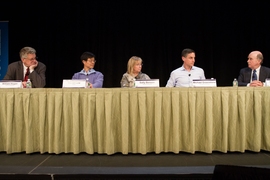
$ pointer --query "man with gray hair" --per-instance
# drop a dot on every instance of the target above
(255, 74)
(27, 68)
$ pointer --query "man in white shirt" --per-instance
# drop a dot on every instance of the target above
(183, 76)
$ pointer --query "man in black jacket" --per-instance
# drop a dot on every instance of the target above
(255, 74)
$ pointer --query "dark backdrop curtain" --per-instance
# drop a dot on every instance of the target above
(221, 33)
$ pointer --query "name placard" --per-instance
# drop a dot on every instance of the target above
(204, 83)
(147, 83)
(73, 83)
(10, 84)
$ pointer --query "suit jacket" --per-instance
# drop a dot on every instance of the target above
(245, 75)
(37, 77)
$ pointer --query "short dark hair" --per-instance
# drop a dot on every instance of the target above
(87, 55)
(187, 51)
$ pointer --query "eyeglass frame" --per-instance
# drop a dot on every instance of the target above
(91, 60)
(32, 59)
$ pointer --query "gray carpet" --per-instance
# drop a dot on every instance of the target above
(164, 163)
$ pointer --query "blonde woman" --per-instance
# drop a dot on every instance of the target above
(134, 67)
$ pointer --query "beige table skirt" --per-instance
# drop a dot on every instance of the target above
(134, 120)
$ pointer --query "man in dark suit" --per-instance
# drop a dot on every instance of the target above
(27, 68)
(255, 74)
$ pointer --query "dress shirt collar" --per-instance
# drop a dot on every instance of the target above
(88, 72)
(258, 69)
(183, 69)
(24, 69)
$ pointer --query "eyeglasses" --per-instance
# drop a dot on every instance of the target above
(92, 61)
(32, 59)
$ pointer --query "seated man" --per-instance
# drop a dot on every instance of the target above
(27, 68)
(95, 78)
(183, 76)
(255, 74)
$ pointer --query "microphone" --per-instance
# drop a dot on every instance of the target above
(189, 74)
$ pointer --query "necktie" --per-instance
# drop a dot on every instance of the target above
(26, 74)
(254, 75)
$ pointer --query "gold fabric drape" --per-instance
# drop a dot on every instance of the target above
(134, 120)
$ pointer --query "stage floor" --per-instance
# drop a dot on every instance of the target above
(164, 163)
